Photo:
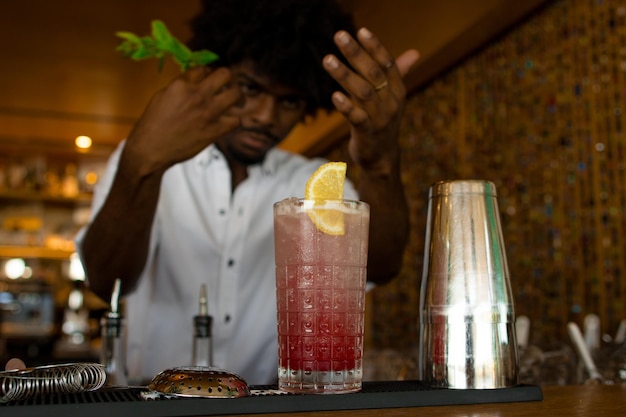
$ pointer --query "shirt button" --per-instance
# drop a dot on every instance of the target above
(222, 212)
(231, 262)
(227, 318)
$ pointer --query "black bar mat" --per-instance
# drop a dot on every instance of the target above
(123, 402)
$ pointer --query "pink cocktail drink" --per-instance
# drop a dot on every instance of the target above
(320, 291)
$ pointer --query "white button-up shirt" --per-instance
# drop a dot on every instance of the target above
(205, 234)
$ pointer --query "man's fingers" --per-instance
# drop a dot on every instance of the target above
(406, 61)
(197, 74)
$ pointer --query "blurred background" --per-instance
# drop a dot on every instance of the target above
(529, 95)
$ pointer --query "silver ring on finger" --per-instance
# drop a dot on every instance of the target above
(380, 86)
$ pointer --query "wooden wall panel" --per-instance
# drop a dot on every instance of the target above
(540, 112)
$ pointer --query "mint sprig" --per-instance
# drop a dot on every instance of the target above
(161, 45)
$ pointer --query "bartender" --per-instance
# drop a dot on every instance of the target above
(187, 198)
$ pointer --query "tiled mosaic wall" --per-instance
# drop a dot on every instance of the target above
(540, 113)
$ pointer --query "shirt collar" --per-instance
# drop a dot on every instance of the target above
(212, 154)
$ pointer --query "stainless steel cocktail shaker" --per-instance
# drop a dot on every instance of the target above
(467, 333)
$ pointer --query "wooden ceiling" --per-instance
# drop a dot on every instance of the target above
(61, 77)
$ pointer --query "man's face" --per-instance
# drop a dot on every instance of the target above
(268, 113)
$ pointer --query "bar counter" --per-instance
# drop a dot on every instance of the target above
(572, 401)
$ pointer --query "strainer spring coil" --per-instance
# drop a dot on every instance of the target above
(51, 379)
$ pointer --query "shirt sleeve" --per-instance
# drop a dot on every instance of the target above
(101, 191)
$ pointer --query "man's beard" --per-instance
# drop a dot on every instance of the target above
(246, 159)
(237, 155)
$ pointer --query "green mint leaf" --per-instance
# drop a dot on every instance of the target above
(160, 32)
(203, 57)
(160, 45)
(179, 51)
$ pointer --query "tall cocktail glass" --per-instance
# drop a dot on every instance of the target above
(320, 292)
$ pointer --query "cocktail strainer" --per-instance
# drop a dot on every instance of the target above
(51, 379)
(200, 381)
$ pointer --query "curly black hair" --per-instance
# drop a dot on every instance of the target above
(286, 40)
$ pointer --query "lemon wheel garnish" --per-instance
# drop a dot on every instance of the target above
(326, 184)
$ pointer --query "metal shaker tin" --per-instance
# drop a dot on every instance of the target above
(467, 317)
